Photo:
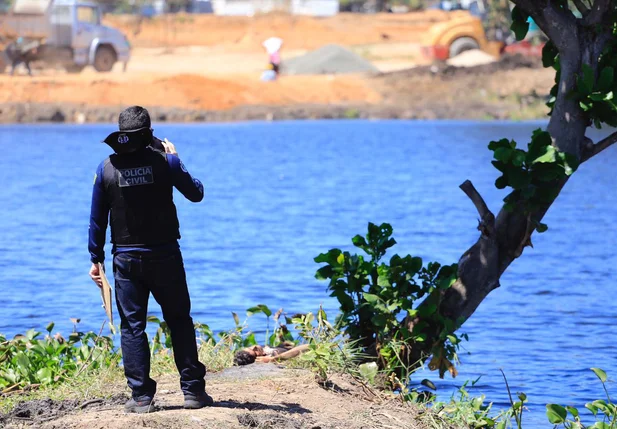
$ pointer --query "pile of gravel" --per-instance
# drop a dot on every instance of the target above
(330, 59)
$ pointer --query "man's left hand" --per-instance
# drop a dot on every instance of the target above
(95, 275)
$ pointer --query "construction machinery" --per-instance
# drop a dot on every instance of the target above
(68, 33)
(472, 28)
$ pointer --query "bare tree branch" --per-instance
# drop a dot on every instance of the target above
(595, 149)
(475, 198)
(598, 12)
(582, 7)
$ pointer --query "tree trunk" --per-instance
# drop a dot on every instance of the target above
(503, 239)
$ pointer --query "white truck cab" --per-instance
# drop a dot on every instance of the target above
(70, 33)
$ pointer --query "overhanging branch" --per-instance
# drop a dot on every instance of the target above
(598, 12)
(599, 147)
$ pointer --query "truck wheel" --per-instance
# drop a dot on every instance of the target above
(461, 45)
(104, 59)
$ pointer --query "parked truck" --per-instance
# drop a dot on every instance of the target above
(69, 33)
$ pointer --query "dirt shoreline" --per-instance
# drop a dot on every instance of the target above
(513, 88)
(31, 113)
(259, 396)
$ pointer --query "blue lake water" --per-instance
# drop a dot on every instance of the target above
(278, 194)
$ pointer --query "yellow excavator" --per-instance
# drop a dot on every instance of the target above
(464, 30)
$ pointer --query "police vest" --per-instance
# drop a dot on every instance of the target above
(139, 189)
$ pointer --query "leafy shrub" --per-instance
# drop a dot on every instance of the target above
(29, 359)
(375, 297)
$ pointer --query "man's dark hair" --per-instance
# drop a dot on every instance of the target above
(133, 118)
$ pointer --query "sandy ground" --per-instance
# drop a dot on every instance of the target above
(265, 398)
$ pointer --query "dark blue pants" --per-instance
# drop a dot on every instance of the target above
(137, 274)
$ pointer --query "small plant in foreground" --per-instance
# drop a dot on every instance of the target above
(328, 351)
(31, 360)
(464, 410)
(605, 411)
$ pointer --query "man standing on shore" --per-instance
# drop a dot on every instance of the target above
(133, 188)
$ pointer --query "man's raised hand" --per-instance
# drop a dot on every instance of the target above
(169, 147)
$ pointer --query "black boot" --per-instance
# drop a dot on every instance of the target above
(193, 402)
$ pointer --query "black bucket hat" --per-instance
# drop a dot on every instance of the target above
(129, 140)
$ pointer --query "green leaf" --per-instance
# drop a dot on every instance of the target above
(541, 227)
(494, 145)
(415, 265)
(324, 273)
(369, 371)
(601, 96)
(427, 310)
(236, 318)
(428, 383)
(518, 158)
(501, 182)
(518, 178)
(547, 155)
(592, 408)
(573, 411)
(359, 241)
(585, 106)
(556, 413)
(253, 310)
(549, 53)
(44, 376)
(503, 154)
(328, 258)
(605, 81)
(250, 340)
(600, 374)
(520, 28)
(371, 298)
(383, 281)
(22, 361)
(266, 310)
(154, 319)
(50, 327)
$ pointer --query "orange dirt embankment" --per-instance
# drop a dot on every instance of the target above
(298, 32)
(187, 91)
